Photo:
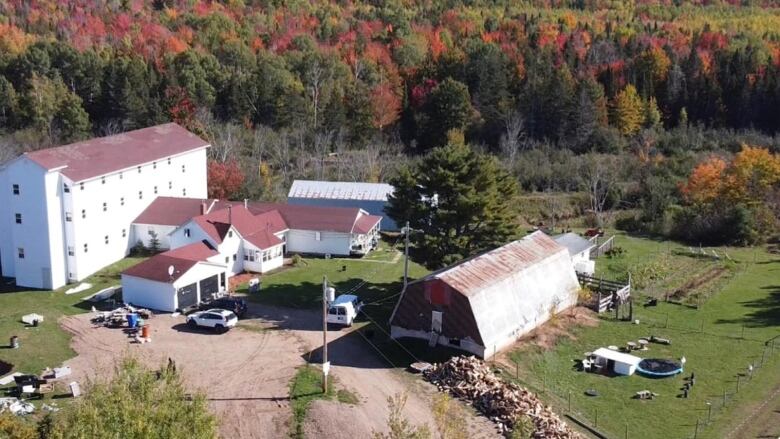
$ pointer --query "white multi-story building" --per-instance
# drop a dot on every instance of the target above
(66, 212)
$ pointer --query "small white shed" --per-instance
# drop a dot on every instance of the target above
(579, 250)
(617, 362)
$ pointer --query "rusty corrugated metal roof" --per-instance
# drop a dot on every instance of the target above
(474, 275)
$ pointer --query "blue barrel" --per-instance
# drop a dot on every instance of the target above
(132, 320)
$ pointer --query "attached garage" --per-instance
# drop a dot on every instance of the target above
(174, 280)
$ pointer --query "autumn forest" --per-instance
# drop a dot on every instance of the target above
(645, 113)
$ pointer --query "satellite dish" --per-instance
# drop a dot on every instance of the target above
(170, 270)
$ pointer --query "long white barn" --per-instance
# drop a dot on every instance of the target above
(66, 212)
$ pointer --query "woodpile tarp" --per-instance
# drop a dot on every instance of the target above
(470, 379)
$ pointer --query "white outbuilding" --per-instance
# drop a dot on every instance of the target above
(579, 250)
(484, 304)
(175, 279)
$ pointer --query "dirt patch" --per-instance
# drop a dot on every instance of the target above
(245, 374)
(698, 282)
(334, 420)
(547, 335)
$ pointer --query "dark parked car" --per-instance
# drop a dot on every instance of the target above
(238, 306)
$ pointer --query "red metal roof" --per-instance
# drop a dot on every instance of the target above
(263, 239)
(181, 259)
(302, 217)
(365, 223)
(217, 223)
(475, 274)
(174, 211)
(103, 155)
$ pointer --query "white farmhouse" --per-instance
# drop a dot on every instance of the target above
(484, 304)
(66, 212)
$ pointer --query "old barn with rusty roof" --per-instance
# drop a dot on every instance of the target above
(484, 304)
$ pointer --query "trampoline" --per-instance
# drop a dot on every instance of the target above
(659, 367)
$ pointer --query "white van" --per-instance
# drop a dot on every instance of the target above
(344, 309)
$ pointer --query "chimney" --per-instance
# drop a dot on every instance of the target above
(246, 203)
(230, 214)
(203, 207)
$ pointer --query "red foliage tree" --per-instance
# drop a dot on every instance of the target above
(385, 106)
(225, 179)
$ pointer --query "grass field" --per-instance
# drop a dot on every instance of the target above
(46, 345)
(719, 340)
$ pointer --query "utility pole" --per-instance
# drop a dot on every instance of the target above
(406, 256)
(325, 364)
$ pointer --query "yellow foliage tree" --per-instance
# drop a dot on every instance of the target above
(752, 174)
(629, 111)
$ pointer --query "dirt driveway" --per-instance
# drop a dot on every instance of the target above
(246, 372)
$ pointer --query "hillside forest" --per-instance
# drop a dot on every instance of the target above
(662, 116)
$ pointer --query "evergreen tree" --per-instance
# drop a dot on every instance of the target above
(448, 108)
(629, 111)
(461, 201)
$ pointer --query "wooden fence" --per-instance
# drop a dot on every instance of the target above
(609, 293)
(601, 248)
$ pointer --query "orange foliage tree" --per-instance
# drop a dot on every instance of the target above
(385, 106)
(225, 179)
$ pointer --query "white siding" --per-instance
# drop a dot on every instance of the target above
(148, 293)
(305, 241)
(46, 236)
(141, 233)
(274, 259)
(232, 252)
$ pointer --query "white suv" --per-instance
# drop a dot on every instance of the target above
(344, 309)
(217, 319)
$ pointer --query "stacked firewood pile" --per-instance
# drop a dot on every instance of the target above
(470, 379)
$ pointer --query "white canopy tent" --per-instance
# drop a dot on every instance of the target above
(618, 362)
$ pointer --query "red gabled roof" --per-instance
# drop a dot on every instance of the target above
(302, 217)
(175, 211)
(181, 259)
(217, 223)
(103, 155)
(365, 223)
(263, 239)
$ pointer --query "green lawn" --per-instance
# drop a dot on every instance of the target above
(746, 301)
(375, 278)
(47, 345)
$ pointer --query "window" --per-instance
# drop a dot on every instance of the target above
(83, 213)
(121, 175)
(170, 185)
(68, 216)
(122, 201)
(70, 276)
(139, 169)
(124, 233)
(102, 180)
(18, 218)
(66, 188)
(235, 256)
(86, 248)
(317, 236)
(105, 207)
(230, 234)
(154, 165)
(169, 160)
(150, 231)
(187, 233)
(140, 195)
(183, 169)
(184, 192)
(81, 186)
(250, 255)
(20, 252)
(155, 190)
(227, 259)
(106, 239)
(71, 251)
(16, 189)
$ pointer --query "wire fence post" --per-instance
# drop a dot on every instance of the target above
(569, 401)
(739, 377)
(626, 431)
(596, 418)
(696, 432)
(724, 397)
